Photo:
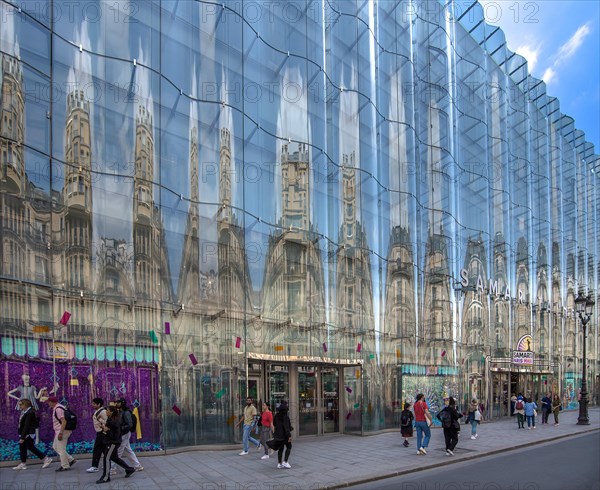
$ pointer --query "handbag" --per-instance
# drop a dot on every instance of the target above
(428, 418)
(534, 412)
(477, 415)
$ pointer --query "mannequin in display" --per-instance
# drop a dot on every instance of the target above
(29, 392)
(26, 390)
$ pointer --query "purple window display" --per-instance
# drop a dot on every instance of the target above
(77, 382)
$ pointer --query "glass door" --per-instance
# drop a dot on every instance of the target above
(330, 381)
(307, 400)
(278, 385)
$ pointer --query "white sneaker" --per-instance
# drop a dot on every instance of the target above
(92, 469)
(20, 466)
(450, 452)
(473, 437)
(423, 451)
(476, 435)
(280, 466)
(266, 456)
(285, 464)
(139, 468)
(243, 453)
(47, 462)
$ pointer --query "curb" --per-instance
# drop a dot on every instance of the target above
(460, 459)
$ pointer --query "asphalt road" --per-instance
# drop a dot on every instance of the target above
(565, 464)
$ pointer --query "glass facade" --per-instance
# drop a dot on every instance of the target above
(339, 204)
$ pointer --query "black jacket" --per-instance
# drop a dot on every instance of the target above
(27, 423)
(283, 426)
(127, 421)
(113, 435)
(455, 416)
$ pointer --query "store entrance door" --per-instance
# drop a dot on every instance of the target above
(312, 391)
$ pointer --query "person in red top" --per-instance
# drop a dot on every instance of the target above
(421, 415)
(266, 428)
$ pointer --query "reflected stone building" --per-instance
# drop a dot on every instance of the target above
(343, 250)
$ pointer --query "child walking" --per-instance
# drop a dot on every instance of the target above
(406, 424)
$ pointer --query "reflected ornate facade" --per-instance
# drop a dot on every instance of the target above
(344, 247)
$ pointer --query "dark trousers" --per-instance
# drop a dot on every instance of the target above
(451, 437)
(545, 414)
(98, 450)
(288, 450)
(110, 453)
(29, 445)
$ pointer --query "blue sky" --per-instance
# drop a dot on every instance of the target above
(561, 41)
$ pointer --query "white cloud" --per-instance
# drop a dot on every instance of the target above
(570, 47)
(565, 52)
(549, 75)
(530, 53)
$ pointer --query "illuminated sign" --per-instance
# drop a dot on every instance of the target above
(524, 355)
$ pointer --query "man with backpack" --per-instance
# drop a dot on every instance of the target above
(129, 424)
(63, 422)
(449, 416)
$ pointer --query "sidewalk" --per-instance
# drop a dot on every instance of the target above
(317, 463)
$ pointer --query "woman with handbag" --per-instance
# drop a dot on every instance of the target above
(283, 435)
(556, 408)
(474, 417)
(265, 425)
(28, 423)
(422, 422)
(530, 413)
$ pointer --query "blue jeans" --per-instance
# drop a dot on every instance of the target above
(530, 420)
(247, 438)
(422, 427)
(474, 426)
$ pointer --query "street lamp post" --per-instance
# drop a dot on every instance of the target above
(585, 306)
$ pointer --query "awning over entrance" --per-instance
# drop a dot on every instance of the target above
(46, 349)
(304, 359)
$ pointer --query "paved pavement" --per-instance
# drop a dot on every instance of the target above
(317, 463)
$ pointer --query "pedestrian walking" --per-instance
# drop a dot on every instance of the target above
(546, 407)
(283, 436)
(474, 417)
(112, 439)
(422, 423)
(520, 411)
(98, 421)
(406, 424)
(449, 417)
(248, 420)
(61, 434)
(28, 423)
(530, 413)
(124, 449)
(556, 408)
(266, 428)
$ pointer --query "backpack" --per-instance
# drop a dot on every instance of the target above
(519, 405)
(134, 422)
(125, 427)
(405, 418)
(70, 418)
(445, 418)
